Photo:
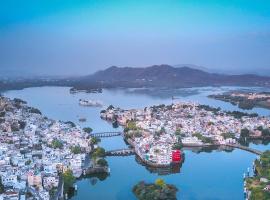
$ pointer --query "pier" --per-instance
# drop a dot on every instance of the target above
(120, 152)
(238, 146)
(106, 134)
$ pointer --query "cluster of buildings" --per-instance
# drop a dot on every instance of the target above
(160, 127)
(252, 95)
(34, 150)
(157, 150)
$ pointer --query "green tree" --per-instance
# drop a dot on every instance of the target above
(131, 125)
(137, 134)
(258, 193)
(2, 189)
(244, 133)
(260, 128)
(160, 182)
(15, 127)
(162, 130)
(178, 132)
(95, 140)
(99, 152)
(28, 162)
(227, 135)
(2, 114)
(87, 130)
(145, 191)
(76, 149)
(22, 124)
(203, 138)
(177, 146)
(68, 179)
(34, 110)
(110, 107)
(266, 132)
(71, 124)
(102, 162)
(57, 144)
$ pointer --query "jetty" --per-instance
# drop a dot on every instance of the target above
(238, 146)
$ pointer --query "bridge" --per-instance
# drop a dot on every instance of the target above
(106, 134)
(120, 152)
(238, 146)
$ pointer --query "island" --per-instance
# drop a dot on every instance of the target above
(158, 133)
(41, 157)
(158, 191)
(245, 100)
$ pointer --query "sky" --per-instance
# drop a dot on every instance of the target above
(77, 37)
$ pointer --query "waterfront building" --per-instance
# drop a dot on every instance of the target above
(176, 156)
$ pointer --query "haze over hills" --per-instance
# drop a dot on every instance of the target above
(230, 71)
(153, 76)
(169, 76)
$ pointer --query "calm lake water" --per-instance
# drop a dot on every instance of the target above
(204, 175)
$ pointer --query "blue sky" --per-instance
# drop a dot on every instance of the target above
(77, 37)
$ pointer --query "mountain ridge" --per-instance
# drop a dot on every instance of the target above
(169, 76)
(159, 76)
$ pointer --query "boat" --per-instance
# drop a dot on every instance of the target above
(92, 103)
(82, 119)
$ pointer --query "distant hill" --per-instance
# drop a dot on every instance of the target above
(168, 76)
(153, 76)
(261, 71)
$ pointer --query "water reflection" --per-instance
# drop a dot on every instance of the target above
(162, 93)
(173, 169)
(222, 172)
(209, 149)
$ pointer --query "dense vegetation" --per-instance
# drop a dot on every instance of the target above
(131, 130)
(72, 124)
(157, 191)
(1, 186)
(34, 110)
(88, 130)
(68, 179)
(239, 115)
(102, 162)
(209, 108)
(242, 102)
(262, 171)
(99, 153)
(204, 139)
(95, 140)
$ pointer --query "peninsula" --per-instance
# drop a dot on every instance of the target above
(40, 156)
(245, 100)
(157, 133)
(258, 186)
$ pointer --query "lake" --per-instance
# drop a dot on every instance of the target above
(203, 175)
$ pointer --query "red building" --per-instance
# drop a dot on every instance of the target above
(176, 156)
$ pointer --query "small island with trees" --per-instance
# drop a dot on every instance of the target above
(245, 100)
(158, 191)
